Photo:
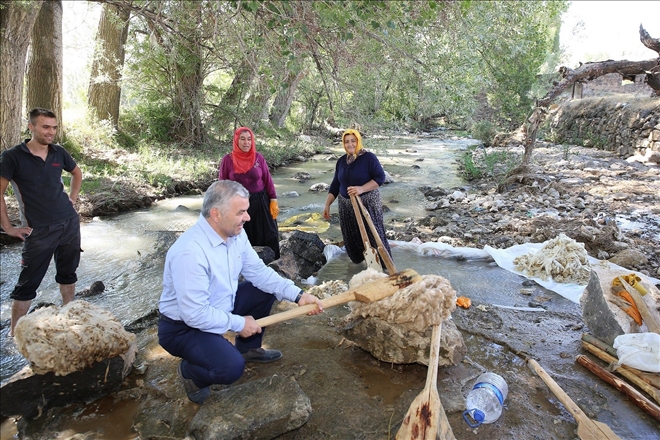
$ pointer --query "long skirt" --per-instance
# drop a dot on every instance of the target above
(262, 228)
(350, 229)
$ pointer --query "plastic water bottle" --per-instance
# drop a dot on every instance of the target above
(484, 403)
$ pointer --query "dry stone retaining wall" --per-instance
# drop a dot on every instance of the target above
(626, 125)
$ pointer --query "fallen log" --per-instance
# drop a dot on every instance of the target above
(635, 396)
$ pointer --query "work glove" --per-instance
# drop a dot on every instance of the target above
(274, 209)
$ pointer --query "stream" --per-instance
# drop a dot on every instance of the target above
(126, 252)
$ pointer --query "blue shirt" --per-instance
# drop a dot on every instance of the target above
(201, 279)
(364, 168)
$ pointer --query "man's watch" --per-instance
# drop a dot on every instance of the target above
(300, 294)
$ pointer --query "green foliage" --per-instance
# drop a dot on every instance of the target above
(484, 131)
(479, 162)
(149, 121)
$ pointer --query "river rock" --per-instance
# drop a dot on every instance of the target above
(319, 187)
(286, 266)
(597, 314)
(307, 250)
(302, 176)
(395, 343)
(629, 258)
(266, 254)
(261, 409)
(29, 394)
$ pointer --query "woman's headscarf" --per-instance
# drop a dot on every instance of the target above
(358, 149)
(242, 161)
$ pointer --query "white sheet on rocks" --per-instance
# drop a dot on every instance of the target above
(571, 291)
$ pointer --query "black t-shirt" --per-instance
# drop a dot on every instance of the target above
(38, 184)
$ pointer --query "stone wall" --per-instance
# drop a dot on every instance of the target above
(612, 83)
(624, 124)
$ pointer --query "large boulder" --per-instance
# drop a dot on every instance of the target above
(307, 251)
(600, 310)
(281, 406)
(397, 344)
(29, 394)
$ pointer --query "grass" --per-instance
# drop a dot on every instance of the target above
(479, 163)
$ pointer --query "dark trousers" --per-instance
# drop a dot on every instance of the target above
(61, 241)
(212, 359)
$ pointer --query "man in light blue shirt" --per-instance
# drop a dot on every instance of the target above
(202, 298)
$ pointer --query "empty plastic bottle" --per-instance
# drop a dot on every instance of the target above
(484, 402)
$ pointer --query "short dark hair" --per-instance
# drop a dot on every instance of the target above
(220, 193)
(36, 112)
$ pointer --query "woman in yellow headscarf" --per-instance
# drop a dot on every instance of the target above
(358, 173)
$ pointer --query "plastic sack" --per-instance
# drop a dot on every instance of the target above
(638, 350)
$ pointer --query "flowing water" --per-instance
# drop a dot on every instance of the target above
(126, 252)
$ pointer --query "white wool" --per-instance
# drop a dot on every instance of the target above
(562, 259)
(328, 289)
(417, 307)
(365, 276)
(71, 338)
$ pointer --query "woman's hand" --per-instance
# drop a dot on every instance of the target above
(326, 212)
(354, 190)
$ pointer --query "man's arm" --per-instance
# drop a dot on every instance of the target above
(76, 183)
(4, 217)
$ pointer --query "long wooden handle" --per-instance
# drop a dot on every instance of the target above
(625, 371)
(368, 292)
(568, 403)
(650, 378)
(635, 396)
(358, 218)
(434, 355)
(389, 264)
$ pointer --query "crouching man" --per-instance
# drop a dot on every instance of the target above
(202, 298)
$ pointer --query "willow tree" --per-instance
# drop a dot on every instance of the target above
(16, 22)
(43, 82)
(104, 91)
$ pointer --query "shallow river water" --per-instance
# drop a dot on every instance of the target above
(125, 251)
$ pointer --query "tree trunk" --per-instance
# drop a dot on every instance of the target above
(231, 100)
(188, 68)
(105, 81)
(16, 22)
(282, 103)
(43, 82)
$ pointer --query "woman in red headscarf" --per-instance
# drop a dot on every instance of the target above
(248, 167)
(359, 173)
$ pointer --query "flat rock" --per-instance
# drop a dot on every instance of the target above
(261, 410)
(29, 394)
(399, 345)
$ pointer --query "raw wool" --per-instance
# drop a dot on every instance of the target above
(417, 307)
(328, 289)
(365, 276)
(562, 259)
(71, 338)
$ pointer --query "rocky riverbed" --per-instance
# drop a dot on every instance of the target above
(612, 205)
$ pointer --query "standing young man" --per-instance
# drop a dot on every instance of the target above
(50, 225)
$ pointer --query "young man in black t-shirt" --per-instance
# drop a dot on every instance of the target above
(50, 225)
